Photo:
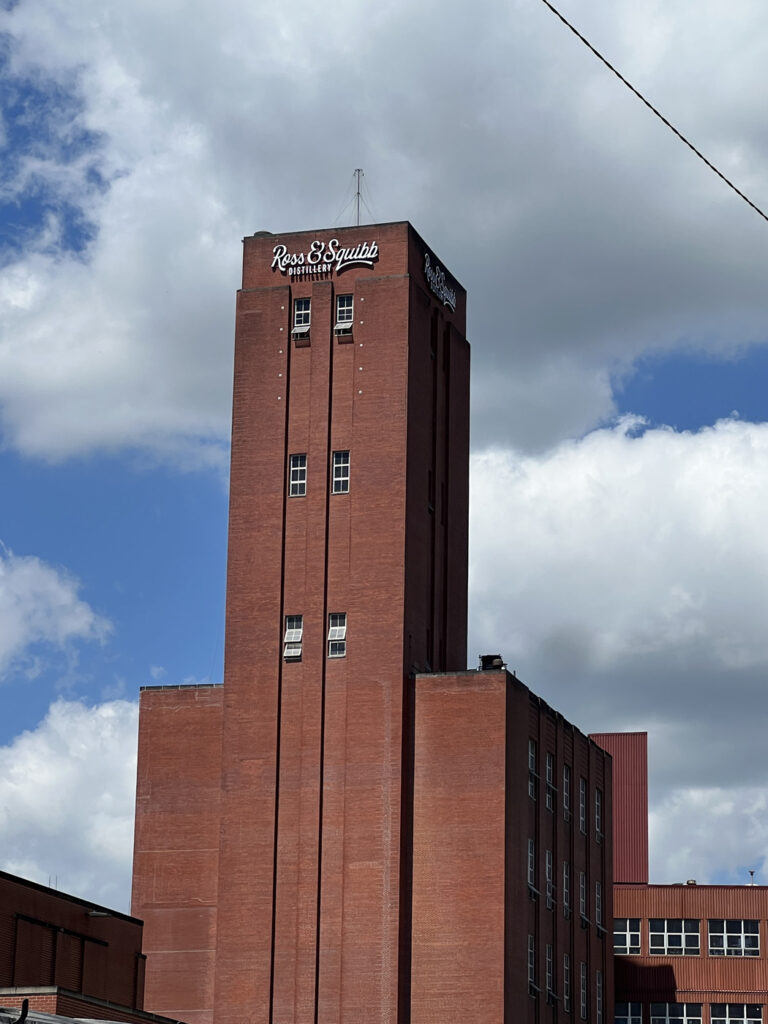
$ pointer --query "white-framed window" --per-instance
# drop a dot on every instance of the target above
(628, 1013)
(734, 938)
(294, 631)
(599, 815)
(626, 936)
(550, 777)
(598, 904)
(340, 484)
(533, 892)
(583, 993)
(297, 477)
(583, 895)
(583, 805)
(735, 1013)
(598, 997)
(533, 777)
(550, 876)
(532, 987)
(566, 889)
(301, 311)
(344, 314)
(567, 792)
(673, 936)
(567, 982)
(550, 972)
(337, 634)
(677, 1013)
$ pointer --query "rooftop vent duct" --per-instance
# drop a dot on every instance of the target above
(491, 662)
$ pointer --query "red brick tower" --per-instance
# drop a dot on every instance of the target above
(275, 886)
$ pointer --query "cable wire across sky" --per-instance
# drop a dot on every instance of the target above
(651, 107)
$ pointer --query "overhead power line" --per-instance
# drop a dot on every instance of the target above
(658, 113)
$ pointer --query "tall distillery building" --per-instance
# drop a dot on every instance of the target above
(354, 828)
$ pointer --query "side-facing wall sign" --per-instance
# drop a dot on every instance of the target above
(435, 275)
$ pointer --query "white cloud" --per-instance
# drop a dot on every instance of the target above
(625, 578)
(586, 234)
(40, 609)
(67, 794)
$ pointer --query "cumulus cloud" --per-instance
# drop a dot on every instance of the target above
(67, 793)
(625, 576)
(585, 233)
(40, 610)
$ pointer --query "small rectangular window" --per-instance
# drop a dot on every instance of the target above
(629, 1013)
(297, 484)
(735, 1013)
(566, 889)
(598, 904)
(598, 997)
(566, 792)
(583, 995)
(300, 318)
(340, 473)
(294, 631)
(583, 805)
(344, 315)
(583, 895)
(532, 776)
(550, 879)
(550, 778)
(679, 1013)
(550, 971)
(567, 982)
(599, 814)
(532, 987)
(626, 936)
(734, 938)
(337, 634)
(673, 936)
(532, 867)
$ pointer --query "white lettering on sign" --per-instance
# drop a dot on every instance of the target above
(324, 257)
(437, 282)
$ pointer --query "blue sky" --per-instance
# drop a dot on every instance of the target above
(618, 316)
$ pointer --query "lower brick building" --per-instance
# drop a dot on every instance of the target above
(68, 956)
(684, 953)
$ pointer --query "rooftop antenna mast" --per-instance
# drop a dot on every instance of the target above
(358, 176)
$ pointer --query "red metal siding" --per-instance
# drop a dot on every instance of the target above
(629, 751)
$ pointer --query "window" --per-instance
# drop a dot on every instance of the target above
(598, 997)
(550, 871)
(300, 318)
(583, 895)
(734, 938)
(340, 472)
(532, 987)
(550, 974)
(673, 936)
(735, 1013)
(677, 1013)
(297, 486)
(567, 792)
(550, 768)
(532, 890)
(567, 982)
(583, 991)
(337, 634)
(598, 905)
(532, 776)
(583, 806)
(343, 314)
(599, 815)
(566, 889)
(294, 629)
(628, 1013)
(626, 935)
